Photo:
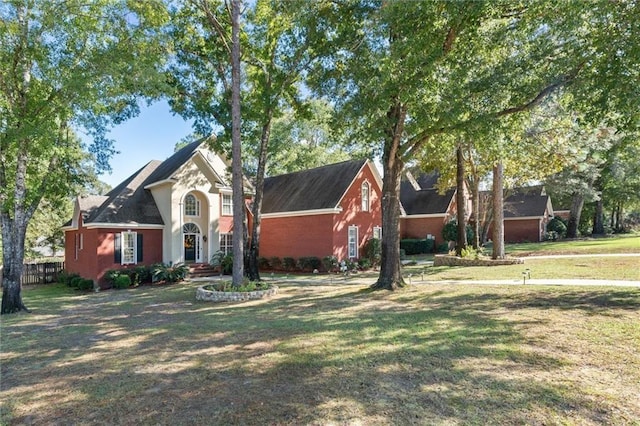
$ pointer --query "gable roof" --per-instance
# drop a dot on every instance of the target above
(169, 166)
(128, 202)
(313, 189)
(419, 196)
(526, 202)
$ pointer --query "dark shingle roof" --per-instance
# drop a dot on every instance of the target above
(173, 163)
(525, 202)
(425, 200)
(129, 202)
(313, 189)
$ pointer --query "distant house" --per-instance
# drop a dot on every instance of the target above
(329, 210)
(526, 214)
(178, 210)
(425, 211)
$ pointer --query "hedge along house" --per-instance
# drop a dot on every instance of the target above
(178, 210)
(425, 211)
(327, 211)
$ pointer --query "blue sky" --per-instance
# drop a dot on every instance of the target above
(151, 135)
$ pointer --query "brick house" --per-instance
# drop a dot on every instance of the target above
(329, 210)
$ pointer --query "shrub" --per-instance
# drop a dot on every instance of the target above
(364, 263)
(75, 281)
(450, 231)
(415, 246)
(170, 273)
(443, 247)
(85, 284)
(122, 281)
(275, 262)
(403, 254)
(558, 226)
(68, 278)
(373, 251)
(140, 274)
(222, 261)
(263, 263)
(308, 263)
(330, 263)
(288, 263)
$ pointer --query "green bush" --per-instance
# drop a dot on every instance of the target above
(263, 263)
(308, 263)
(364, 264)
(122, 281)
(85, 284)
(443, 248)
(140, 274)
(558, 226)
(330, 263)
(373, 251)
(288, 263)
(450, 231)
(275, 262)
(68, 278)
(222, 261)
(75, 281)
(169, 273)
(415, 246)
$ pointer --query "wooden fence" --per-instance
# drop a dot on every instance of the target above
(40, 273)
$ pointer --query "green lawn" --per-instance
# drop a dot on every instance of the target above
(325, 353)
(625, 243)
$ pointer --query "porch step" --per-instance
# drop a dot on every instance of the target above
(197, 270)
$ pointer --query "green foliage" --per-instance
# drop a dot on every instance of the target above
(309, 263)
(372, 251)
(74, 281)
(122, 281)
(227, 286)
(415, 246)
(364, 264)
(450, 231)
(330, 263)
(443, 248)
(558, 226)
(470, 252)
(288, 263)
(85, 284)
(222, 261)
(263, 263)
(169, 273)
(275, 262)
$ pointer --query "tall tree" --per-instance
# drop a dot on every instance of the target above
(417, 70)
(65, 64)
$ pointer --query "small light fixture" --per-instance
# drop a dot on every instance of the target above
(204, 238)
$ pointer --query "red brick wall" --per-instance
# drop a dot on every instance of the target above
(297, 236)
(97, 254)
(420, 227)
(516, 231)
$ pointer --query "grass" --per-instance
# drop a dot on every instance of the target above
(624, 243)
(320, 353)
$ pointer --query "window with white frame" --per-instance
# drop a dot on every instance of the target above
(377, 232)
(226, 243)
(191, 205)
(227, 205)
(353, 242)
(129, 247)
(365, 196)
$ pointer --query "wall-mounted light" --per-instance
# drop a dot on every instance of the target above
(204, 238)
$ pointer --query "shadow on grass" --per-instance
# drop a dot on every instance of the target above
(310, 355)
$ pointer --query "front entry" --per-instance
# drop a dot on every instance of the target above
(192, 246)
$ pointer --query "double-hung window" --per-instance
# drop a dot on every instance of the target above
(127, 248)
(377, 232)
(353, 242)
(227, 205)
(191, 205)
(226, 243)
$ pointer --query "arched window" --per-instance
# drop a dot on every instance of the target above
(365, 196)
(191, 206)
(190, 228)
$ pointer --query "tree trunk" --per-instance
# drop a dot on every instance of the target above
(253, 270)
(13, 258)
(390, 277)
(475, 199)
(236, 165)
(461, 243)
(577, 202)
(498, 213)
(598, 218)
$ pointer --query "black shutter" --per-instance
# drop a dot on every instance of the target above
(139, 248)
(117, 248)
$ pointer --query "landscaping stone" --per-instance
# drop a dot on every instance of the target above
(448, 260)
(233, 296)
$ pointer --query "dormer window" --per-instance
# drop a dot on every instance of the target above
(365, 196)
(191, 205)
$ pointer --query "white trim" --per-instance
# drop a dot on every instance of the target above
(123, 225)
(134, 236)
(524, 218)
(169, 181)
(424, 216)
(356, 242)
(302, 213)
